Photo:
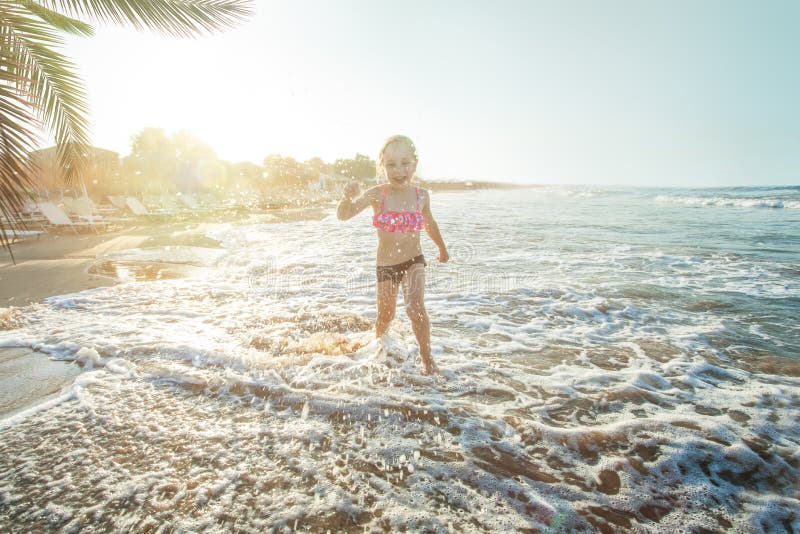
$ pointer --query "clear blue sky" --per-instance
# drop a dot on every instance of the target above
(699, 93)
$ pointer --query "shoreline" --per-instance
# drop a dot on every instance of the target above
(57, 264)
(60, 263)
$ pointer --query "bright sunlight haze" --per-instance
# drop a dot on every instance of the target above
(651, 94)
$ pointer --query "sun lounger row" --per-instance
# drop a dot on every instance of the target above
(82, 214)
(74, 214)
(163, 205)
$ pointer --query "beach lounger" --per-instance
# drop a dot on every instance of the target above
(15, 236)
(138, 209)
(86, 210)
(188, 200)
(58, 219)
(169, 203)
(71, 206)
(210, 201)
(29, 216)
(117, 201)
(191, 203)
(13, 232)
(163, 205)
(67, 205)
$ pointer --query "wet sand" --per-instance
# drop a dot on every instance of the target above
(26, 376)
(57, 264)
(61, 263)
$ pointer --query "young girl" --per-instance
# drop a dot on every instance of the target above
(401, 211)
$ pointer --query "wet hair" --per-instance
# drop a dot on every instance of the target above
(395, 139)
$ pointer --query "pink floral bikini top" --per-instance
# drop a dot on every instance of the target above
(398, 221)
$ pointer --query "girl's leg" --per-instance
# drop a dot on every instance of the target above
(387, 301)
(414, 296)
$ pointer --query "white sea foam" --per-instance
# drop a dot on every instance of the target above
(775, 203)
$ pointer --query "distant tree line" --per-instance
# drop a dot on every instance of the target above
(159, 162)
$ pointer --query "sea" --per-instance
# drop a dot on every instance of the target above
(612, 360)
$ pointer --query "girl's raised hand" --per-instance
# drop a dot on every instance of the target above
(351, 190)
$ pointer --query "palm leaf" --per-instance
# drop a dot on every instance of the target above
(17, 139)
(59, 21)
(56, 91)
(37, 83)
(181, 18)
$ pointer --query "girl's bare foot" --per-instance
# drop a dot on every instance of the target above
(429, 367)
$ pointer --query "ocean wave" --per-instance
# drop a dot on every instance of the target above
(751, 202)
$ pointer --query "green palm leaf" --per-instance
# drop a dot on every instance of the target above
(56, 91)
(17, 139)
(182, 18)
(57, 20)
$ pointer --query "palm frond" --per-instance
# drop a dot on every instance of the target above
(181, 18)
(56, 92)
(59, 21)
(17, 139)
(38, 88)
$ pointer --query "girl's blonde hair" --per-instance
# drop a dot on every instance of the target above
(395, 139)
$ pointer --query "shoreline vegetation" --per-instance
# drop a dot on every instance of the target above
(160, 163)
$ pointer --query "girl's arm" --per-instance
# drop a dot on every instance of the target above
(433, 229)
(350, 206)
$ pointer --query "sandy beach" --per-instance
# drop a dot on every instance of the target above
(59, 263)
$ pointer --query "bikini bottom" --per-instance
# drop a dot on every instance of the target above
(395, 273)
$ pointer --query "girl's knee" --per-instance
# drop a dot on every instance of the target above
(416, 313)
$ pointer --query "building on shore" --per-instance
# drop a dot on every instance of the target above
(102, 176)
(329, 182)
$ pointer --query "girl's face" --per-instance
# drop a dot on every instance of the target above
(399, 163)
